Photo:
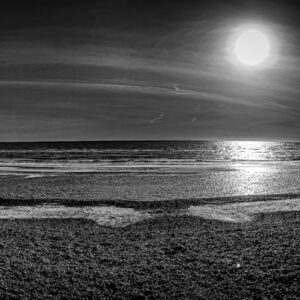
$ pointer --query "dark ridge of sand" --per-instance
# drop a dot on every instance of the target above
(171, 204)
(175, 257)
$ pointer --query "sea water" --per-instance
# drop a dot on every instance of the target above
(153, 170)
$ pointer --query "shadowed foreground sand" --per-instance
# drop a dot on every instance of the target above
(167, 257)
(241, 250)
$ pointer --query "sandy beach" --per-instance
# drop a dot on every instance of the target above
(95, 221)
(220, 251)
(114, 216)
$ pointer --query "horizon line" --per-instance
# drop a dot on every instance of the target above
(154, 140)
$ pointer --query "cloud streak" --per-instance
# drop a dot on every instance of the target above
(151, 90)
(154, 120)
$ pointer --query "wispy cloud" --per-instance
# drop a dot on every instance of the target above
(154, 120)
(151, 90)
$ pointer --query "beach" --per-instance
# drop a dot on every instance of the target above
(149, 220)
(215, 248)
(183, 257)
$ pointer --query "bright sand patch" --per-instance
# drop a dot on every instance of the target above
(120, 217)
(242, 212)
(103, 215)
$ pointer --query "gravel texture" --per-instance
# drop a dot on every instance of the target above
(182, 257)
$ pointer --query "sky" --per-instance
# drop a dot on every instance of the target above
(146, 70)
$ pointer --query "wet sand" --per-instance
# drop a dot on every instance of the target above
(151, 186)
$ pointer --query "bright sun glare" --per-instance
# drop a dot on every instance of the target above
(252, 47)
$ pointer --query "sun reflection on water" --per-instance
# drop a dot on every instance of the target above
(258, 165)
(250, 151)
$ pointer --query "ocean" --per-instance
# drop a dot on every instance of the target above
(151, 170)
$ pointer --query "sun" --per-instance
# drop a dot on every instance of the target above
(252, 47)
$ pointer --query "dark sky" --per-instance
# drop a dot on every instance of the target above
(126, 69)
